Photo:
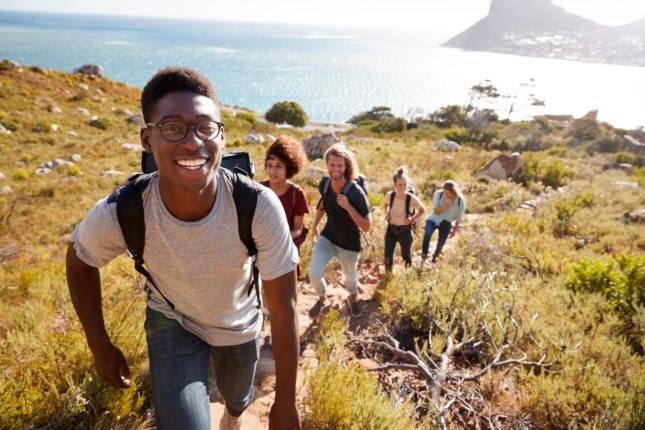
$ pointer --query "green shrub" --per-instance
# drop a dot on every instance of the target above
(629, 158)
(287, 112)
(449, 116)
(390, 125)
(22, 174)
(555, 174)
(585, 129)
(456, 134)
(564, 213)
(343, 395)
(7, 123)
(246, 117)
(620, 280)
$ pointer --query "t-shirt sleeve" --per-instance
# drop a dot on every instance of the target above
(277, 255)
(98, 238)
(301, 203)
(359, 201)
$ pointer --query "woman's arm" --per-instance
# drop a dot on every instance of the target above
(298, 224)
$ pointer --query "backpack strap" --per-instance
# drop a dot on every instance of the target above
(129, 212)
(245, 196)
(323, 187)
(348, 186)
(408, 200)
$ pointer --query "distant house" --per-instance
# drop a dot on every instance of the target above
(559, 121)
(564, 121)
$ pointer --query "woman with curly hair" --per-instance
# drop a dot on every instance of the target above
(285, 158)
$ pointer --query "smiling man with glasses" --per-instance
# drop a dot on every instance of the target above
(198, 307)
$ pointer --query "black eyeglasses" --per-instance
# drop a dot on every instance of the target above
(175, 131)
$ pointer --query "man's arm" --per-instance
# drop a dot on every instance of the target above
(84, 282)
(363, 222)
(280, 294)
(315, 232)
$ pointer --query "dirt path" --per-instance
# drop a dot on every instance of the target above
(256, 416)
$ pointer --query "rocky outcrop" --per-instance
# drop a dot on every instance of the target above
(313, 175)
(137, 119)
(504, 167)
(91, 70)
(446, 145)
(7, 64)
(316, 146)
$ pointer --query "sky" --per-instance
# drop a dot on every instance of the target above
(436, 16)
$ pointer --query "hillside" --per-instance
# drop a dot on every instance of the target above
(534, 318)
(540, 28)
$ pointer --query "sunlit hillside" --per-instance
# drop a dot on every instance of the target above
(533, 319)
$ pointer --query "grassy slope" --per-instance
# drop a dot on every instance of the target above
(47, 373)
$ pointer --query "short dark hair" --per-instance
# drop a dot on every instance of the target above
(290, 152)
(170, 80)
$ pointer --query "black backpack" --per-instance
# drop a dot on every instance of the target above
(129, 208)
(408, 201)
(325, 183)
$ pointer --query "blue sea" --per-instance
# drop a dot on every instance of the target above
(333, 73)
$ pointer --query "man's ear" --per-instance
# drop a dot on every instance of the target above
(144, 134)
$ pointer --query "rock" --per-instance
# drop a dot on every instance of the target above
(446, 145)
(6, 190)
(127, 112)
(2, 176)
(368, 363)
(82, 86)
(54, 127)
(308, 353)
(504, 167)
(626, 167)
(92, 70)
(53, 164)
(137, 119)
(9, 65)
(271, 138)
(132, 147)
(74, 157)
(636, 216)
(72, 134)
(254, 138)
(98, 91)
(42, 171)
(111, 172)
(316, 146)
(634, 145)
(313, 175)
(82, 111)
(3, 130)
(54, 109)
(94, 118)
(445, 159)
(40, 70)
(626, 184)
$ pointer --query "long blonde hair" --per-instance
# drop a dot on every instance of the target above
(341, 150)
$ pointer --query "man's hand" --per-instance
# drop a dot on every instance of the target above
(284, 417)
(315, 232)
(343, 201)
(111, 365)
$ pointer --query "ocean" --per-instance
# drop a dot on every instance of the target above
(333, 73)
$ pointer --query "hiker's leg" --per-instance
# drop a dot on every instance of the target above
(234, 371)
(349, 263)
(430, 228)
(405, 239)
(320, 257)
(444, 231)
(390, 244)
(179, 374)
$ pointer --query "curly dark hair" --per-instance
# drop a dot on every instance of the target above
(173, 79)
(290, 152)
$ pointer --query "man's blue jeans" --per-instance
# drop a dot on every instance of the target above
(322, 255)
(179, 363)
(444, 230)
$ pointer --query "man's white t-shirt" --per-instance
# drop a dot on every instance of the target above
(202, 267)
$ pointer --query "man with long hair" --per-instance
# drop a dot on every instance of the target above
(347, 209)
